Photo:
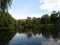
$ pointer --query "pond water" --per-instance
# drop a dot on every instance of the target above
(31, 39)
(12, 37)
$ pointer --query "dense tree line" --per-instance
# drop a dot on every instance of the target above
(50, 23)
(44, 24)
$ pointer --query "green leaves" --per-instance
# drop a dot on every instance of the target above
(45, 19)
(6, 20)
(4, 4)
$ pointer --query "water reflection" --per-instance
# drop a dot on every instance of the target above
(31, 39)
(23, 39)
(11, 37)
(6, 35)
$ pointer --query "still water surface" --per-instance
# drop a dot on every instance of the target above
(31, 39)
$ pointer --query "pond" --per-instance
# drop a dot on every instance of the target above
(31, 39)
(28, 38)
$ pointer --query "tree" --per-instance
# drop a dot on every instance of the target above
(54, 17)
(4, 4)
(58, 17)
(45, 19)
(28, 23)
(7, 20)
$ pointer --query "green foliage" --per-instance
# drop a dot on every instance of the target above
(6, 20)
(4, 4)
(54, 17)
(45, 19)
(46, 24)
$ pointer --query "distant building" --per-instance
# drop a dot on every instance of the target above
(23, 20)
(28, 18)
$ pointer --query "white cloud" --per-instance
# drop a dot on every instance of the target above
(50, 5)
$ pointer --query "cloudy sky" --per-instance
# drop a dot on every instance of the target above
(21, 9)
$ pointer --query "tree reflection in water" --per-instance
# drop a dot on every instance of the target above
(6, 35)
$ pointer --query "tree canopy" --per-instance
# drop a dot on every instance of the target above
(4, 4)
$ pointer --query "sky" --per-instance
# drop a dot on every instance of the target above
(21, 9)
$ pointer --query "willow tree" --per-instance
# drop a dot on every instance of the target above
(4, 4)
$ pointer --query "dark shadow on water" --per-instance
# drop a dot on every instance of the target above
(6, 35)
